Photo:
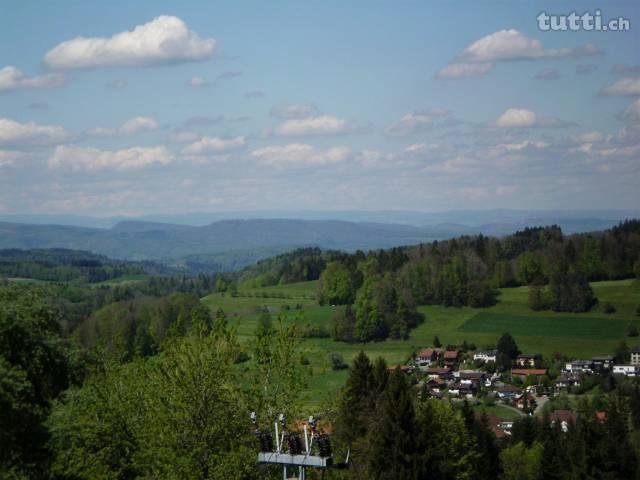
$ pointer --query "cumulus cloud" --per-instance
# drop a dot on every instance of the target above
(319, 125)
(78, 158)
(165, 39)
(12, 78)
(588, 137)
(16, 133)
(300, 154)
(623, 87)
(505, 45)
(209, 145)
(131, 126)
(516, 118)
(288, 111)
(523, 118)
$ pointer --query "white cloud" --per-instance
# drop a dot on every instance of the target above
(131, 126)
(505, 45)
(623, 87)
(463, 70)
(78, 158)
(11, 78)
(517, 118)
(12, 132)
(632, 112)
(207, 145)
(293, 110)
(514, 45)
(165, 39)
(198, 82)
(300, 154)
(320, 125)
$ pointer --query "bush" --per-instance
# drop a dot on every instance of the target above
(632, 331)
(315, 332)
(608, 308)
(337, 362)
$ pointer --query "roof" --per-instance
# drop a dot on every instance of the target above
(563, 416)
(529, 371)
(438, 370)
(605, 358)
(636, 349)
(450, 354)
(427, 352)
(487, 352)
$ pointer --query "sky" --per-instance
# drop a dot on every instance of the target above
(147, 107)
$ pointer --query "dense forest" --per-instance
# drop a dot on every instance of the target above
(62, 265)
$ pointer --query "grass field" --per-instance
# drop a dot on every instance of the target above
(575, 335)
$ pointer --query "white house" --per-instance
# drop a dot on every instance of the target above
(628, 370)
(579, 366)
(486, 356)
(635, 356)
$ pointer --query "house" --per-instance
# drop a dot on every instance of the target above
(602, 363)
(525, 399)
(567, 381)
(507, 392)
(635, 355)
(436, 384)
(628, 370)
(426, 357)
(439, 372)
(499, 426)
(450, 357)
(406, 369)
(523, 373)
(579, 366)
(528, 361)
(565, 418)
(486, 356)
(461, 390)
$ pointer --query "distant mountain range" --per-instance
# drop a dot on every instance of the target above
(231, 244)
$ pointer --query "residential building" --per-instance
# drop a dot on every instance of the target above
(528, 361)
(635, 355)
(486, 356)
(628, 370)
(579, 366)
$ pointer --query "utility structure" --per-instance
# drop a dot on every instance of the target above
(291, 452)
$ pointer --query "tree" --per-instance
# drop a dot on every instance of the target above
(507, 345)
(180, 415)
(522, 463)
(392, 447)
(336, 285)
(35, 367)
(436, 342)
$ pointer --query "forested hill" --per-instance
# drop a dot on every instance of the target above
(62, 265)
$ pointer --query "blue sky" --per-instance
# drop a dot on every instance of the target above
(156, 107)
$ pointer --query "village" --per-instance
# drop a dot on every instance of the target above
(523, 384)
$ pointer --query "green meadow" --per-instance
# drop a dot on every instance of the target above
(575, 335)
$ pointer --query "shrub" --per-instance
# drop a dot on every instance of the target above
(608, 308)
(337, 362)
